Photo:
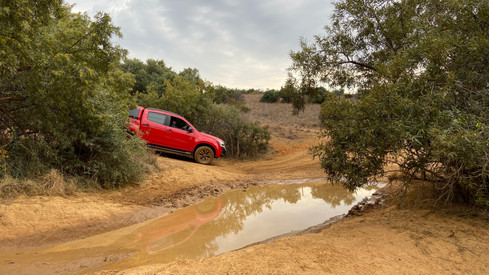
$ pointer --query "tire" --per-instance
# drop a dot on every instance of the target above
(204, 155)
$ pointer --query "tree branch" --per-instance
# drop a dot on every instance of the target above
(8, 98)
(358, 64)
(25, 68)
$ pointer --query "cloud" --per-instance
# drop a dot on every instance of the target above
(242, 44)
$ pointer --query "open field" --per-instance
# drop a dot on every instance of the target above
(417, 238)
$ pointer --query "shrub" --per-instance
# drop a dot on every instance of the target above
(270, 96)
(242, 139)
(319, 95)
(227, 96)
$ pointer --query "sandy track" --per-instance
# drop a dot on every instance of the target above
(387, 239)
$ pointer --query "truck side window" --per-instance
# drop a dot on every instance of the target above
(178, 123)
(157, 118)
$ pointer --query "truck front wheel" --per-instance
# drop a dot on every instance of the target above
(204, 155)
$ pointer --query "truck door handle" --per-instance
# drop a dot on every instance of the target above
(146, 124)
(169, 130)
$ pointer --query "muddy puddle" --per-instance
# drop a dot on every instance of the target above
(231, 221)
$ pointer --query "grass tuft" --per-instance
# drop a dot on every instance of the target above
(54, 184)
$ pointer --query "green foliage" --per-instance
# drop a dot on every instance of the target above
(149, 75)
(288, 94)
(319, 95)
(63, 100)
(228, 96)
(242, 139)
(181, 97)
(270, 96)
(421, 76)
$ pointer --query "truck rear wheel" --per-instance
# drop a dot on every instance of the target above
(204, 155)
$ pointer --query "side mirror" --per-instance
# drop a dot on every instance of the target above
(190, 130)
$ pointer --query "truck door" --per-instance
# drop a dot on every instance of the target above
(154, 128)
(181, 135)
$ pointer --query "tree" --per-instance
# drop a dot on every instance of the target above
(63, 99)
(270, 96)
(420, 70)
(192, 76)
(149, 75)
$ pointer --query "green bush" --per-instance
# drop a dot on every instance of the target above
(319, 95)
(286, 93)
(270, 96)
(242, 139)
(64, 100)
(227, 96)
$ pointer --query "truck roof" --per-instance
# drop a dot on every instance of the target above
(134, 113)
(155, 109)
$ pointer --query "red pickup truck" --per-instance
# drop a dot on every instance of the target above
(171, 133)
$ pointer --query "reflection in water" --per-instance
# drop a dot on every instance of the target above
(172, 230)
(216, 225)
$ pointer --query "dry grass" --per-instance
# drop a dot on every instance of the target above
(149, 161)
(51, 184)
(11, 188)
(54, 184)
(283, 125)
(280, 113)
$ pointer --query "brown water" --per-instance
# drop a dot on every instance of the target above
(217, 225)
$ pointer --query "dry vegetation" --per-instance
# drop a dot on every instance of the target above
(284, 127)
(280, 114)
(51, 184)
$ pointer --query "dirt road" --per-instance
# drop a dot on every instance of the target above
(387, 239)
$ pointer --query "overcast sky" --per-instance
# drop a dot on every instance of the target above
(235, 43)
